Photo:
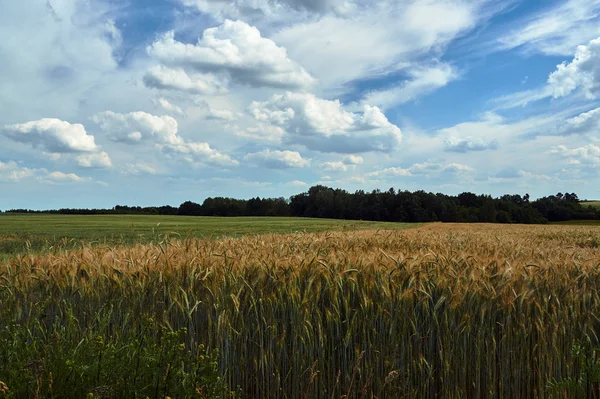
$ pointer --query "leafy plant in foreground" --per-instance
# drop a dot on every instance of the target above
(587, 377)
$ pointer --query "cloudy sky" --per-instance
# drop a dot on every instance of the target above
(149, 102)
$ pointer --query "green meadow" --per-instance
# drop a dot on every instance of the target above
(22, 233)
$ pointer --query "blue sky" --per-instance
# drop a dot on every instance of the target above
(148, 102)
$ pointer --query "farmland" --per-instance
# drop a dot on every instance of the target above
(438, 310)
(595, 204)
(34, 233)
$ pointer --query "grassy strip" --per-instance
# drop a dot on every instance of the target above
(53, 233)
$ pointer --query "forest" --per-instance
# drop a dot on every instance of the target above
(391, 205)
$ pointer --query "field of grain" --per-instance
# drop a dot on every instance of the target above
(21, 233)
(437, 311)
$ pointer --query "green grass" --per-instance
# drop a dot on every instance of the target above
(21, 233)
(579, 223)
(595, 204)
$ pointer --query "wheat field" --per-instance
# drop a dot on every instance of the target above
(437, 311)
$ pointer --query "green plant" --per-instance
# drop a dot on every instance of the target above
(586, 377)
(70, 361)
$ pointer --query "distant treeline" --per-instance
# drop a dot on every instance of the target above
(390, 205)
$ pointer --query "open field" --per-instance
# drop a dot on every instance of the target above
(438, 311)
(32, 233)
(595, 204)
(578, 223)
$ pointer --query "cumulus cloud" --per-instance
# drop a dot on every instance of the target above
(337, 166)
(583, 73)
(325, 125)
(237, 50)
(167, 106)
(98, 160)
(163, 78)
(586, 122)
(138, 127)
(198, 153)
(11, 171)
(134, 127)
(261, 132)
(349, 162)
(221, 114)
(391, 172)
(585, 155)
(52, 135)
(467, 144)
(353, 160)
(277, 159)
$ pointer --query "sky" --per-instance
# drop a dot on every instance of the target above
(154, 102)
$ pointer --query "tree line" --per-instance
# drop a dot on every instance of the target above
(391, 205)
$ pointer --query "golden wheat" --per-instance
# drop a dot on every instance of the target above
(443, 310)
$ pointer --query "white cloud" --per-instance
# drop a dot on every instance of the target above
(217, 113)
(466, 144)
(10, 171)
(353, 160)
(393, 172)
(53, 50)
(167, 106)
(493, 131)
(534, 176)
(347, 163)
(163, 78)
(134, 127)
(325, 125)
(296, 183)
(508, 174)
(277, 159)
(584, 123)
(337, 166)
(427, 169)
(63, 177)
(582, 73)
(271, 9)
(139, 169)
(52, 134)
(379, 37)
(585, 155)
(557, 30)
(221, 114)
(199, 154)
(422, 81)
(98, 160)
(522, 98)
(263, 132)
(237, 50)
